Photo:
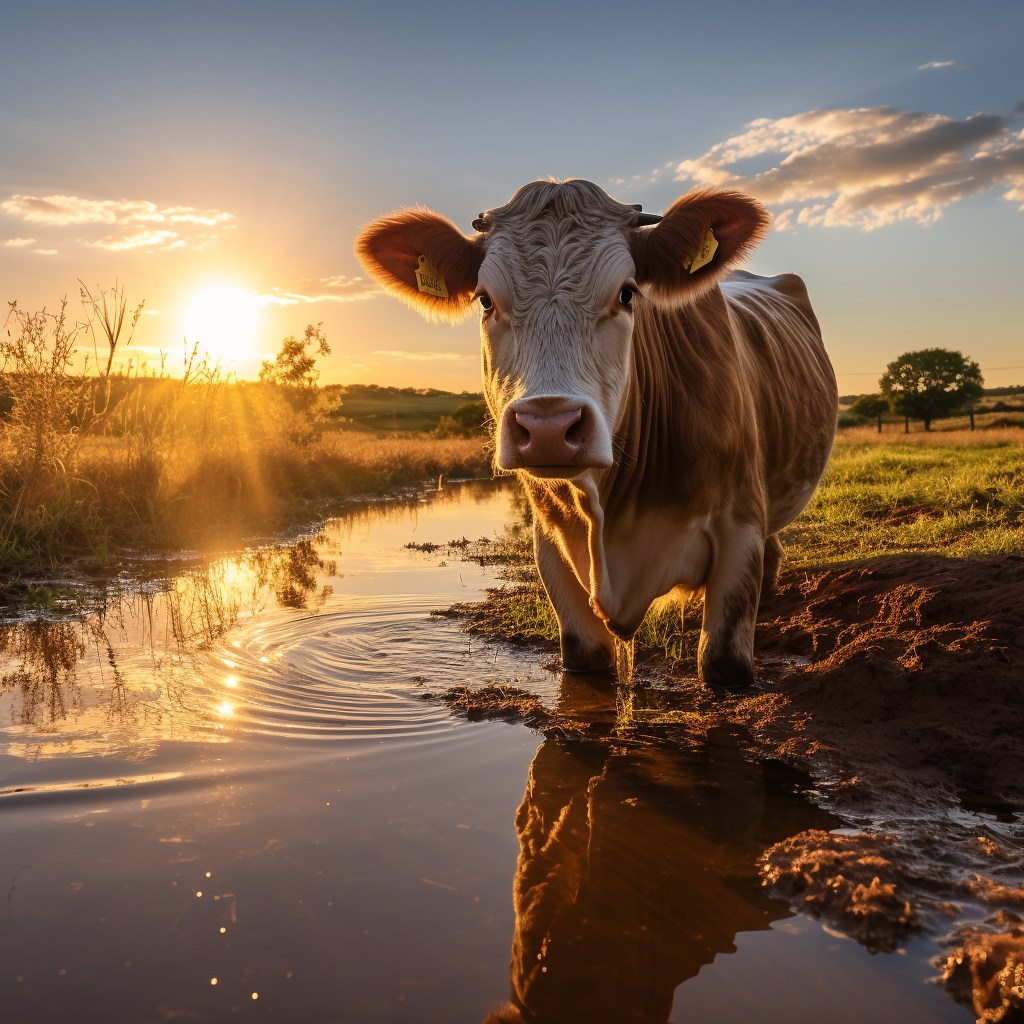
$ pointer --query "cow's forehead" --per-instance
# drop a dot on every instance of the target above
(557, 240)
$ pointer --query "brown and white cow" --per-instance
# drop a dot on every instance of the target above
(666, 417)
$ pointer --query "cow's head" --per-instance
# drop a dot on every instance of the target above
(558, 273)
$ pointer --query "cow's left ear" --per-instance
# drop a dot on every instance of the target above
(423, 259)
(665, 254)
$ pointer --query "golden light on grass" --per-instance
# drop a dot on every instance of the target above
(223, 322)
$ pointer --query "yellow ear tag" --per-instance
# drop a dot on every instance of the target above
(707, 251)
(429, 280)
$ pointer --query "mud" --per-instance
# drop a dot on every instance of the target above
(985, 972)
(914, 689)
(898, 684)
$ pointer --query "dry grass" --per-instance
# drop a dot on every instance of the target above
(90, 465)
(959, 435)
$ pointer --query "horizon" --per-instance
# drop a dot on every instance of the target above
(225, 187)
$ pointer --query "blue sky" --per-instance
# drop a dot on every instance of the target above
(241, 146)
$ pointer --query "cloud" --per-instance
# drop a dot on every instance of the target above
(17, 242)
(423, 356)
(279, 298)
(45, 252)
(936, 64)
(867, 167)
(141, 223)
(341, 281)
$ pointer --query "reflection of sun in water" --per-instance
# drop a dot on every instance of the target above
(226, 708)
(223, 322)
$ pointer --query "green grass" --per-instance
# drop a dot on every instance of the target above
(379, 410)
(893, 497)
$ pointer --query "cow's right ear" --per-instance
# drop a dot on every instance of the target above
(423, 259)
(666, 255)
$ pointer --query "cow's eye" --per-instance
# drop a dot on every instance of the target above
(485, 300)
(626, 296)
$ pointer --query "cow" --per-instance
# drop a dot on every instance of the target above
(666, 413)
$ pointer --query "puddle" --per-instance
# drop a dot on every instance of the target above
(224, 796)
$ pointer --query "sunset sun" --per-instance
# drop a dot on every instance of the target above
(223, 322)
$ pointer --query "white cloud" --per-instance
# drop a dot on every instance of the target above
(280, 298)
(869, 166)
(936, 64)
(341, 281)
(422, 356)
(18, 242)
(783, 221)
(45, 252)
(141, 222)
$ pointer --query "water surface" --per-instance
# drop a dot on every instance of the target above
(224, 795)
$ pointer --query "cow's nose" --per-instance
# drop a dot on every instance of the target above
(554, 439)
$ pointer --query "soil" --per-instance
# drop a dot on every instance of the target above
(898, 683)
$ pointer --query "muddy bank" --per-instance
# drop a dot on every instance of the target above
(898, 684)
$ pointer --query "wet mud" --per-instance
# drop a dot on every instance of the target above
(898, 685)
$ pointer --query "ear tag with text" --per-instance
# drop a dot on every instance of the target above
(707, 251)
(429, 280)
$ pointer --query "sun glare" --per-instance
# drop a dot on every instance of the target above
(223, 322)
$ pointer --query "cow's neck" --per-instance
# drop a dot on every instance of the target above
(665, 433)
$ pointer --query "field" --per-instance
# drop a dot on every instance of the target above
(93, 469)
(380, 410)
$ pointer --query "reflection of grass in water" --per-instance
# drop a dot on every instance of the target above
(47, 662)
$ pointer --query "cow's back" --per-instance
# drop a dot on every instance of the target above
(792, 383)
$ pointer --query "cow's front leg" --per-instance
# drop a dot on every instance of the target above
(587, 646)
(725, 658)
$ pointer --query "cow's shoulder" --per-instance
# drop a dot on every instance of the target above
(790, 285)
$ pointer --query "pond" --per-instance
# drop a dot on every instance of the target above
(228, 793)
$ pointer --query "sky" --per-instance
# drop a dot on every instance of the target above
(217, 159)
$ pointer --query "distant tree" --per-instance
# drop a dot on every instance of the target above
(469, 420)
(931, 383)
(871, 407)
(295, 368)
(472, 416)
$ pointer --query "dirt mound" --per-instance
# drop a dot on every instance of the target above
(985, 972)
(850, 881)
(915, 690)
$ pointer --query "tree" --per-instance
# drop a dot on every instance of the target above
(295, 368)
(469, 420)
(871, 407)
(931, 383)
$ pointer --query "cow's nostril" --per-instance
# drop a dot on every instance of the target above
(520, 432)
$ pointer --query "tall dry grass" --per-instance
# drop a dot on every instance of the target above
(92, 464)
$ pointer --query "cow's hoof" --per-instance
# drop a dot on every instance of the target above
(727, 675)
(579, 657)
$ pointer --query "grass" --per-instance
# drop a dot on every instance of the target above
(379, 410)
(955, 494)
(91, 465)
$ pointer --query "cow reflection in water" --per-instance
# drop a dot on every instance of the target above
(637, 868)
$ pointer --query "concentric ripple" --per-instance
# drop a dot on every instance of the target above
(363, 669)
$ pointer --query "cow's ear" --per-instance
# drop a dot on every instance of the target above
(423, 259)
(666, 254)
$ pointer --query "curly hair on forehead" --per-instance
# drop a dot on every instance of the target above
(575, 198)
